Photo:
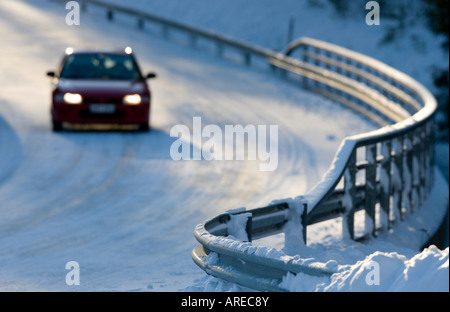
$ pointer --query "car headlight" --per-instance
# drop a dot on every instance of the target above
(132, 99)
(73, 98)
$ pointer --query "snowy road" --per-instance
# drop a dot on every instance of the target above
(116, 202)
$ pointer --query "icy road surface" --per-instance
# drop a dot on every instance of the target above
(116, 202)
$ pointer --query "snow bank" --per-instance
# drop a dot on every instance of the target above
(392, 262)
(382, 271)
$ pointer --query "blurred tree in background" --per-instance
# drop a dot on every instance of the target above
(437, 16)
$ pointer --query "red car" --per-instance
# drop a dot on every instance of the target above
(100, 90)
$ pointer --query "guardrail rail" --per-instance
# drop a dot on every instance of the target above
(388, 173)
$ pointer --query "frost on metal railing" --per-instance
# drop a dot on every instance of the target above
(226, 251)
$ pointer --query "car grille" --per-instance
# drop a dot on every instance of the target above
(88, 114)
(97, 100)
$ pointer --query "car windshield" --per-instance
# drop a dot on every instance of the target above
(100, 66)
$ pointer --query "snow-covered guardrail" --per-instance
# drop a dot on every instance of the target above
(388, 173)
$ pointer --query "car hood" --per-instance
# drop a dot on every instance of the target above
(102, 87)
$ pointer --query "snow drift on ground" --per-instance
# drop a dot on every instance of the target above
(425, 271)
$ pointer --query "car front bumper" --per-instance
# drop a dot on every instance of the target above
(85, 114)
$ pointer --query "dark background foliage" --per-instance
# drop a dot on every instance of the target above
(433, 14)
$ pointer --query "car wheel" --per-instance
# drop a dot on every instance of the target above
(57, 126)
(144, 126)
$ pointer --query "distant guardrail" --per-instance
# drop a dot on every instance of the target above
(387, 173)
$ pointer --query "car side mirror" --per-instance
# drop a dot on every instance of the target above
(51, 74)
(150, 76)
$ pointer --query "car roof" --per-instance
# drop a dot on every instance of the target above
(99, 51)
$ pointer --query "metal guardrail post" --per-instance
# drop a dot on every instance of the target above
(410, 165)
(397, 174)
(385, 182)
(140, 24)
(370, 185)
(248, 58)
(110, 15)
(304, 220)
(349, 201)
(406, 177)
(432, 133)
(422, 150)
(249, 228)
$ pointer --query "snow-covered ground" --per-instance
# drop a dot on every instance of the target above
(116, 202)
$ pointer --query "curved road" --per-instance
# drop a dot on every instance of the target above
(116, 202)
